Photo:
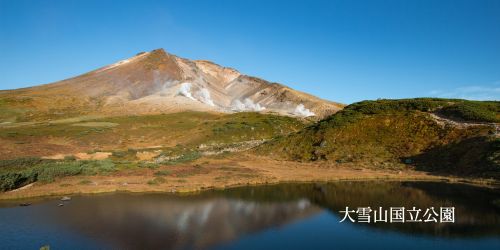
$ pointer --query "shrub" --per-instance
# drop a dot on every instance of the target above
(462, 109)
(22, 162)
(119, 154)
(9, 181)
(69, 158)
(474, 111)
(49, 171)
(94, 167)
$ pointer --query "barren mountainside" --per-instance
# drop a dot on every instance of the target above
(159, 82)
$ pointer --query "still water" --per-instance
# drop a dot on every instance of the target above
(284, 216)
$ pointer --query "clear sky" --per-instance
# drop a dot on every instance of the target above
(343, 51)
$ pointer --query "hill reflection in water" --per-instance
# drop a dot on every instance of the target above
(223, 218)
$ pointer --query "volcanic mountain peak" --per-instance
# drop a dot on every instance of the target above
(159, 82)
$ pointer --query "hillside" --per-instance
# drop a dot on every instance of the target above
(154, 132)
(383, 139)
(444, 136)
(157, 82)
(44, 151)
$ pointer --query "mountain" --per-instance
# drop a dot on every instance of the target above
(159, 82)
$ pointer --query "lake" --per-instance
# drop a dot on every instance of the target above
(283, 216)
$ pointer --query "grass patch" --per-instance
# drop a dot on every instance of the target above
(163, 173)
(85, 182)
(186, 157)
(157, 181)
(149, 165)
(123, 164)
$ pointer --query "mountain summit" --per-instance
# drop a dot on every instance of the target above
(159, 82)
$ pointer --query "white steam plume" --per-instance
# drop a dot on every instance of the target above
(246, 105)
(300, 110)
(237, 105)
(203, 95)
(185, 90)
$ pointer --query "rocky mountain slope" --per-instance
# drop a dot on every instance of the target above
(159, 82)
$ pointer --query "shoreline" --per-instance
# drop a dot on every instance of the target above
(451, 180)
(255, 173)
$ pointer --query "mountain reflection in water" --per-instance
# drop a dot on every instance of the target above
(158, 222)
(223, 218)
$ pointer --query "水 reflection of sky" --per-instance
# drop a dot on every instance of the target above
(323, 231)
(287, 216)
(152, 222)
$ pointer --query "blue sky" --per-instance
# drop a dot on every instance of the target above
(343, 51)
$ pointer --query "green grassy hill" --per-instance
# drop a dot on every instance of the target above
(396, 133)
